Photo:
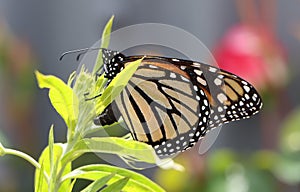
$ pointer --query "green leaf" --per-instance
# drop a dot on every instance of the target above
(116, 86)
(40, 182)
(137, 182)
(72, 185)
(85, 83)
(62, 98)
(104, 44)
(50, 144)
(113, 145)
(45, 161)
(53, 167)
(71, 78)
(98, 184)
(116, 186)
(100, 84)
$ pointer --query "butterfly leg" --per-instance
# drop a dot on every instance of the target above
(109, 116)
(90, 98)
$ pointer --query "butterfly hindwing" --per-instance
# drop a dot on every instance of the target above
(232, 98)
(163, 108)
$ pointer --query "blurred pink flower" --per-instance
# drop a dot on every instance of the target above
(253, 54)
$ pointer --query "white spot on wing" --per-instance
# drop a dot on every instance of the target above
(182, 67)
(220, 109)
(247, 96)
(202, 81)
(212, 69)
(246, 88)
(218, 81)
(185, 79)
(173, 75)
(196, 64)
(198, 72)
(206, 102)
(195, 88)
(221, 97)
(152, 66)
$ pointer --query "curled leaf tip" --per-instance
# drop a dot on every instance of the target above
(40, 78)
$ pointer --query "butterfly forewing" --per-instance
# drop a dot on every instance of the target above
(230, 97)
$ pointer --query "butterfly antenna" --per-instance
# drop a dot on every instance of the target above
(71, 52)
(80, 51)
(79, 55)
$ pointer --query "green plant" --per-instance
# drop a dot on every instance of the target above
(54, 168)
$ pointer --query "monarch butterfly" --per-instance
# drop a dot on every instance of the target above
(171, 103)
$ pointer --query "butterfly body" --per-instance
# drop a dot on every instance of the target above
(171, 103)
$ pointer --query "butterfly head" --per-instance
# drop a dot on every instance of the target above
(112, 62)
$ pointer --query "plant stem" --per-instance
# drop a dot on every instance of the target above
(70, 145)
(27, 158)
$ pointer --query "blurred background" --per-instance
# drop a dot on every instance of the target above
(258, 40)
